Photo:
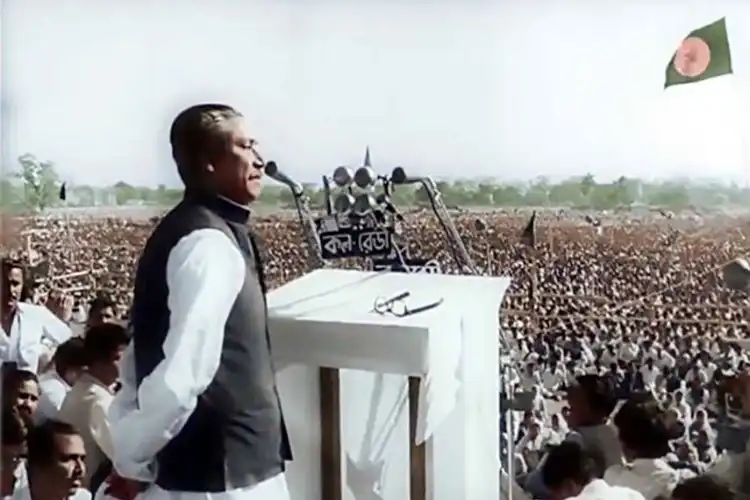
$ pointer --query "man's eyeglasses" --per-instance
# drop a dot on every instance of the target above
(396, 306)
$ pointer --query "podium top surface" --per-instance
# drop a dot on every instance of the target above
(328, 318)
(344, 296)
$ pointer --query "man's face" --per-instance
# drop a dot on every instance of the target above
(238, 168)
(112, 369)
(12, 288)
(27, 397)
(68, 468)
(104, 315)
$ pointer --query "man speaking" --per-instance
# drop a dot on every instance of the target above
(199, 411)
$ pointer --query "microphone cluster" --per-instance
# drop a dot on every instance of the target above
(362, 219)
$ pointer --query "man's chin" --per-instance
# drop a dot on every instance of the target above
(253, 194)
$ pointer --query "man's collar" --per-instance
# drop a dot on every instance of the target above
(222, 206)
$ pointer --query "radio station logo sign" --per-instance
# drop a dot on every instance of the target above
(340, 239)
(347, 243)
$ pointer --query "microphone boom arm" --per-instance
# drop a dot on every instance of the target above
(460, 253)
(304, 212)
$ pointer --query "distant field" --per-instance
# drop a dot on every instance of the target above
(147, 211)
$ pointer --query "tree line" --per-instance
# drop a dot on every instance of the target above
(35, 186)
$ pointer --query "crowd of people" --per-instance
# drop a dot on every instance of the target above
(628, 310)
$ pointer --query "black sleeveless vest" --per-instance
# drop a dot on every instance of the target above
(236, 436)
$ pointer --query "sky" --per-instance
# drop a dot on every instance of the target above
(505, 89)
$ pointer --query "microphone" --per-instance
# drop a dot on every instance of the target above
(272, 171)
(398, 176)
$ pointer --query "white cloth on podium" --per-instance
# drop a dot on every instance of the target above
(342, 330)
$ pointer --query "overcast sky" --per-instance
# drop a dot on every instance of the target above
(486, 88)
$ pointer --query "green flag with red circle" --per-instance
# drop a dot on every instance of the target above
(702, 55)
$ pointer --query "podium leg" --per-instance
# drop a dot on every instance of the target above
(330, 434)
(417, 454)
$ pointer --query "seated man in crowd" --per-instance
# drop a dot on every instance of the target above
(101, 310)
(87, 403)
(56, 464)
(644, 436)
(20, 391)
(591, 403)
(29, 333)
(69, 362)
(12, 463)
(571, 473)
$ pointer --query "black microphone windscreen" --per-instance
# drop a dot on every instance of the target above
(271, 168)
(398, 176)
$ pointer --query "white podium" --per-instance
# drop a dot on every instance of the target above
(382, 407)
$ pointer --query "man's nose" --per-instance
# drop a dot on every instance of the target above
(79, 469)
(259, 161)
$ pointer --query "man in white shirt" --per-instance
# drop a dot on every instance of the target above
(628, 351)
(69, 362)
(12, 465)
(29, 333)
(650, 373)
(554, 377)
(101, 310)
(570, 473)
(86, 405)
(56, 464)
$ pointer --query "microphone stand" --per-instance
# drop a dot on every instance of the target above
(508, 366)
(309, 229)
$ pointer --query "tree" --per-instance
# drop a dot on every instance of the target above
(40, 182)
(125, 193)
(588, 184)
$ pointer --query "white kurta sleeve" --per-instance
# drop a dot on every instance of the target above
(54, 330)
(99, 428)
(205, 273)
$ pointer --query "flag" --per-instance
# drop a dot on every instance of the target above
(703, 54)
(367, 157)
(63, 192)
(528, 236)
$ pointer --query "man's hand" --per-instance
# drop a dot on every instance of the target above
(61, 305)
(123, 489)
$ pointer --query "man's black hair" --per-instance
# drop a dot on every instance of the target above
(193, 136)
(7, 264)
(703, 487)
(40, 442)
(14, 377)
(100, 302)
(101, 341)
(568, 461)
(598, 392)
(642, 428)
(71, 354)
